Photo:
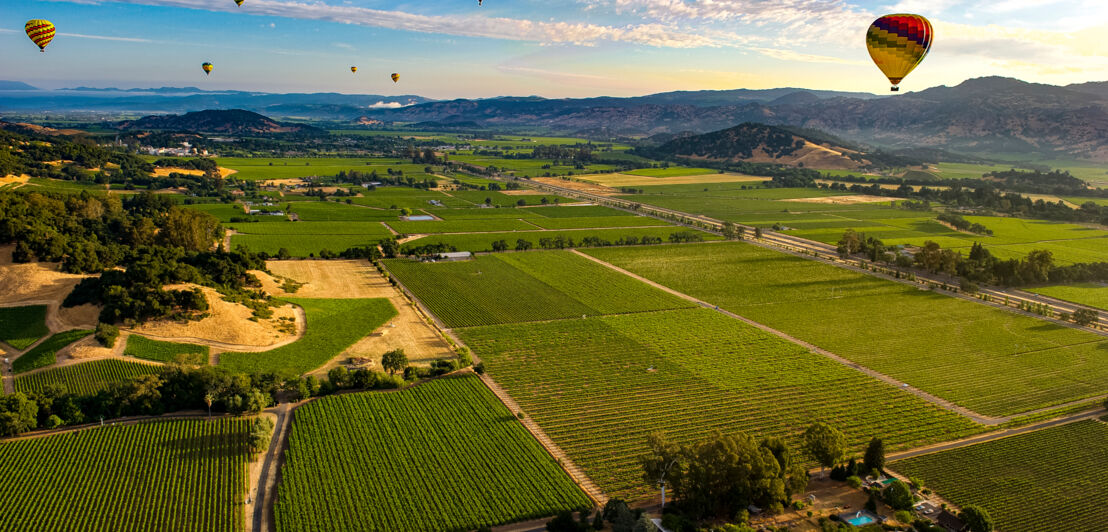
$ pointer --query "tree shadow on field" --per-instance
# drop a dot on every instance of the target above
(1046, 326)
(207, 447)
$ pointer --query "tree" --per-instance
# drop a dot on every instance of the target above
(824, 444)
(261, 431)
(849, 244)
(1085, 316)
(976, 519)
(874, 458)
(394, 361)
(500, 245)
(257, 401)
(106, 334)
(339, 377)
(899, 496)
(564, 522)
(17, 414)
(758, 233)
(208, 398)
(523, 245)
(644, 524)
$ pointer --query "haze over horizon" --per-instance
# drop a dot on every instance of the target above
(455, 49)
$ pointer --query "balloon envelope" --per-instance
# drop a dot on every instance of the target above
(353, 69)
(207, 68)
(395, 77)
(40, 31)
(898, 43)
(239, 2)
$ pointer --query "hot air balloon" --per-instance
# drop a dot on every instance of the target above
(207, 68)
(898, 43)
(353, 69)
(395, 77)
(478, 2)
(239, 2)
(40, 31)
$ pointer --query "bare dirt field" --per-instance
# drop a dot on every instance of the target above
(845, 200)
(627, 180)
(227, 323)
(164, 172)
(580, 186)
(1051, 199)
(16, 180)
(341, 279)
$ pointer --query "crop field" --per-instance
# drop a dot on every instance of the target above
(483, 241)
(332, 326)
(179, 475)
(224, 212)
(330, 211)
(633, 179)
(528, 167)
(302, 245)
(599, 386)
(44, 354)
(575, 211)
(22, 326)
(1051, 479)
(499, 199)
(401, 197)
(292, 167)
(1088, 294)
(85, 378)
(141, 347)
(676, 171)
(461, 226)
(598, 221)
(520, 287)
(369, 229)
(989, 360)
(445, 455)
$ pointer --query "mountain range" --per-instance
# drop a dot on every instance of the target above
(228, 122)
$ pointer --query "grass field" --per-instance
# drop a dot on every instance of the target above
(599, 386)
(445, 455)
(141, 347)
(1051, 479)
(1088, 294)
(86, 378)
(528, 167)
(293, 167)
(598, 221)
(533, 286)
(22, 326)
(401, 197)
(476, 197)
(461, 226)
(330, 211)
(170, 475)
(483, 242)
(675, 171)
(374, 230)
(301, 245)
(225, 211)
(44, 354)
(333, 325)
(989, 360)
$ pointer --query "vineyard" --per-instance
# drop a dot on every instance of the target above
(1043, 480)
(20, 327)
(1088, 294)
(519, 287)
(142, 347)
(600, 386)
(86, 378)
(332, 326)
(170, 475)
(989, 360)
(478, 242)
(44, 354)
(445, 455)
(302, 245)
(461, 226)
(598, 221)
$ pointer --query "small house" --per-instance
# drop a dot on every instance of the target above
(455, 256)
(950, 522)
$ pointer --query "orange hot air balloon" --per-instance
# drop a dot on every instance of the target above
(898, 43)
(395, 77)
(207, 68)
(40, 31)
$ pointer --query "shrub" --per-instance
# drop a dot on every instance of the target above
(854, 482)
(479, 368)
(898, 496)
(903, 516)
(53, 422)
(106, 334)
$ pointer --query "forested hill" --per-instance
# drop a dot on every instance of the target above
(760, 143)
(229, 121)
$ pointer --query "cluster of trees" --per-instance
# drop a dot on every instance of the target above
(395, 178)
(616, 516)
(958, 222)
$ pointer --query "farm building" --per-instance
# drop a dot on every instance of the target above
(453, 256)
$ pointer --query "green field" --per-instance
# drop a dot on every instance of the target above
(226, 211)
(302, 245)
(22, 326)
(85, 378)
(461, 226)
(676, 171)
(599, 386)
(483, 241)
(519, 287)
(330, 211)
(499, 199)
(374, 230)
(528, 167)
(445, 455)
(141, 347)
(991, 361)
(44, 354)
(597, 222)
(1051, 479)
(400, 197)
(574, 211)
(1088, 294)
(333, 325)
(292, 167)
(169, 475)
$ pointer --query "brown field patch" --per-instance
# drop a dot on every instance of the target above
(845, 200)
(628, 180)
(227, 172)
(17, 180)
(524, 192)
(580, 186)
(1051, 199)
(226, 323)
(35, 281)
(164, 172)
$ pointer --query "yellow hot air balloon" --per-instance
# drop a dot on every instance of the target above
(898, 43)
(207, 68)
(239, 2)
(395, 77)
(353, 69)
(40, 31)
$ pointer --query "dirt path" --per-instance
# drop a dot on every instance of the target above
(263, 486)
(227, 239)
(979, 418)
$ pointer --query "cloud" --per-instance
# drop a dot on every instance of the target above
(387, 105)
(103, 37)
(656, 35)
(790, 55)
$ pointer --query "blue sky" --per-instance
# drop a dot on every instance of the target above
(568, 48)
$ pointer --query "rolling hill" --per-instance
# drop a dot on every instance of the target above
(230, 121)
(760, 143)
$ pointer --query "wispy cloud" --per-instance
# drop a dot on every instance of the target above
(103, 37)
(790, 55)
(651, 34)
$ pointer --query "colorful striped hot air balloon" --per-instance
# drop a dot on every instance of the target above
(40, 31)
(898, 43)
(207, 68)
(239, 2)
(395, 77)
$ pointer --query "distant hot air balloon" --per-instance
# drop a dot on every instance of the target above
(239, 2)
(898, 43)
(395, 77)
(353, 69)
(40, 31)
(478, 2)
(207, 68)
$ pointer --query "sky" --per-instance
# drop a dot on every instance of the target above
(568, 48)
